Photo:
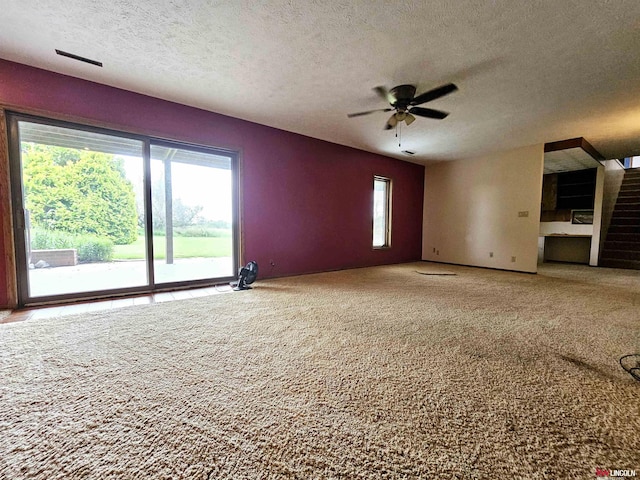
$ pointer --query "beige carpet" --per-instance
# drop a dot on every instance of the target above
(368, 373)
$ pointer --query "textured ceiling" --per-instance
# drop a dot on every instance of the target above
(567, 160)
(528, 72)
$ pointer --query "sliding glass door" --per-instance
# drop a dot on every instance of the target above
(93, 207)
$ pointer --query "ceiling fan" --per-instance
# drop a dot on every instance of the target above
(403, 100)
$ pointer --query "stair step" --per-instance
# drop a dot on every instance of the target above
(629, 194)
(631, 178)
(613, 263)
(616, 245)
(623, 237)
(629, 199)
(614, 229)
(625, 213)
(629, 190)
(627, 205)
(622, 221)
(620, 255)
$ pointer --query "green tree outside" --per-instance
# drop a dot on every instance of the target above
(79, 192)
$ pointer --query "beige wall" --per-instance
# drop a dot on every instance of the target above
(471, 208)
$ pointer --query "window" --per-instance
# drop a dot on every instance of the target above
(381, 212)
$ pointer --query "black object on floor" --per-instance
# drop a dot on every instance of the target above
(246, 276)
(631, 364)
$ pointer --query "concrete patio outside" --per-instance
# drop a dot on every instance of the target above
(123, 274)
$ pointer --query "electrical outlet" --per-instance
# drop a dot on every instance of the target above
(513, 259)
(437, 252)
(523, 214)
(491, 254)
(434, 249)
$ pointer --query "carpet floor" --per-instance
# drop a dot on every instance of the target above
(360, 374)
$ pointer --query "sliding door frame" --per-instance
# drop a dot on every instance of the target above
(15, 170)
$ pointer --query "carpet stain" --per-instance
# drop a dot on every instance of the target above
(582, 365)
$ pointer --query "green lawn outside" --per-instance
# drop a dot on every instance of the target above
(183, 247)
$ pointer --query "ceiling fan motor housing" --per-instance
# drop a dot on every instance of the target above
(403, 95)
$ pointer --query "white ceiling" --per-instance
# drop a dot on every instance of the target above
(528, 71)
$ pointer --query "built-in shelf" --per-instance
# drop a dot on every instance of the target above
(572, 182)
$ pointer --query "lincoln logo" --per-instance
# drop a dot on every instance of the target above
(603, 472)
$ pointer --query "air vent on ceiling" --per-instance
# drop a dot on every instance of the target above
(78, 57)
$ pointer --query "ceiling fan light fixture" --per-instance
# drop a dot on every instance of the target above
(409, 119)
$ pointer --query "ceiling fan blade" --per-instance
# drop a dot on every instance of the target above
(359, 114)
(384, 93)
(428, 112)
(392, 122)
(433, 94)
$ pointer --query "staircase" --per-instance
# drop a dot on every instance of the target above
(622, 246)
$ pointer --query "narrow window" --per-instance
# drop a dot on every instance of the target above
(381, 212)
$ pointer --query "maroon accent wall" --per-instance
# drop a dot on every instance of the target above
(305, 204)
